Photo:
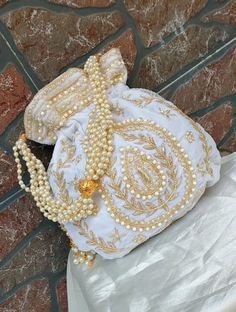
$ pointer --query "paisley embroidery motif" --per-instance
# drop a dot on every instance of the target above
(143, 175)
(166, 163)
(168, 194)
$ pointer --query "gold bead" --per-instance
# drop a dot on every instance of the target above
(88, 187)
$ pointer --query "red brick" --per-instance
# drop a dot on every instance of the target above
(84, 3)
(230, 144)
(127, 47)
(17, 221)
(208, 85)
(184, 49)
(13, 133)
(35, 297)
(226, 14)
(46, 252)
(217, 122)
(2, 2)
(14, 96)
(8, 176)
(157, 19)
(50, 41)
(62, 295)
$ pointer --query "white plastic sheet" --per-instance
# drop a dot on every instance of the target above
(191, 266)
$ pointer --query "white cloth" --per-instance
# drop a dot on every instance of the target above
(191, 266)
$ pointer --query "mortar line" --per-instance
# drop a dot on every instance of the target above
(203, 62)
(19, 61)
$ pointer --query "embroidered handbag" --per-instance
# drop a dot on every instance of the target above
(126, 162)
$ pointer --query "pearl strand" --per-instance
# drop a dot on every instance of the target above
(41, 191)
(80, 256)
(97, 146)
(98, 138)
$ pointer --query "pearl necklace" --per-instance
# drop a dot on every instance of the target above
(97, 146)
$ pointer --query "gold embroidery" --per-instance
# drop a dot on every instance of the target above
(117, 110)
(132, 204)
(141, 101)
(169, 194)
(189, 136)
(140, 238)
(115, 212)
(117, 77)
(62, 189)
(166, 112)
(69, 149)
(49, 129)
(98, 242)
(143, 139)
(117, 236)
(116, 63)
(207, 149)
(138, 166)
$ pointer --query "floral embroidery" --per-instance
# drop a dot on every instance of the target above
(166, 112)
(140, 238)
(189, 136)
(117, 236)
(68, 149)
(207, 149)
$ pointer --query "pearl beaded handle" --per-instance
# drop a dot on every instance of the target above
(97, 146)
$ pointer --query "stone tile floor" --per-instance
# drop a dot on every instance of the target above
(183, 49)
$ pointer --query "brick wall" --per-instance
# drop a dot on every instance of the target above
(183, 49)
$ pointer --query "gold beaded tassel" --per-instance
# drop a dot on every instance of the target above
(79, 256)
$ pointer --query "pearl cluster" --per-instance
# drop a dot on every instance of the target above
(79, 256)
(98, 138)
(97, 146)
(39, 187)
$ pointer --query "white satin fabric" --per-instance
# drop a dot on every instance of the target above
(191, 266)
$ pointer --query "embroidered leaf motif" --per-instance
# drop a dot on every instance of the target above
(98, 242)
(62, 187)
(148, 141)
(141, 101)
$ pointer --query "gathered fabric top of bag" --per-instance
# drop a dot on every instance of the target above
(126, 162)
